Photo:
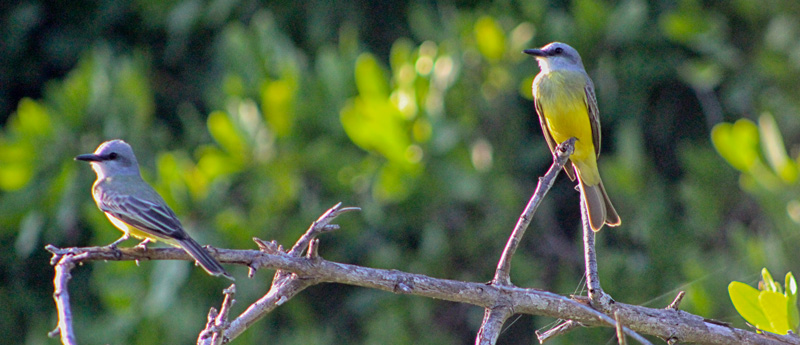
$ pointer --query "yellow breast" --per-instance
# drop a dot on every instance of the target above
(562, 99)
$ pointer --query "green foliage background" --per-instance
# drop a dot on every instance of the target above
(252, 118)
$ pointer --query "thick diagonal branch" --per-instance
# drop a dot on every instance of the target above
(494, 317)
(560, 157)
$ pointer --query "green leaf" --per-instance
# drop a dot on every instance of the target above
(225, 133)
(769, 283)
(376, 124)
(490, 38)
(214, 163)
(393, 184)
(16, 164)
(773, 305)
(31, 120)
(401, 54)
(685, 26)
(774, 149)
(791, 301)
(277, 99)
(737, 143)
(745, 299)
(702, 74)
(371, 80)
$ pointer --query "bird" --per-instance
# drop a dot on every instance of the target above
(566, 104)
(135, 208)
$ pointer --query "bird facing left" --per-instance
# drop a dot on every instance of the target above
(135, 208)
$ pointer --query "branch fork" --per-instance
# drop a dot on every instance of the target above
(295, 271)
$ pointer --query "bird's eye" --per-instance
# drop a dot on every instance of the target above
(112, 155)
(559, 50)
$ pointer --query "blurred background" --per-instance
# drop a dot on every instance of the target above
(252, 118)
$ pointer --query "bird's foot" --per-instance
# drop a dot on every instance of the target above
(143, 245)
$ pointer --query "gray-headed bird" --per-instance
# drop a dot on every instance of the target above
(567, 107)
(134, 207)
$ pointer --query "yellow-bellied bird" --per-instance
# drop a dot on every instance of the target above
(136, 208)
(567, 107)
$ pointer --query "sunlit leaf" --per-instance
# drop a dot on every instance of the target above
(737, 143)
(233, 85)
(376, 125)
(134, 87)
(769, 283)
(591, 15)
(32, 119)
(277, 99)
(225, 133)
(393, 184)
(791, 301)
(773, 305)
(400, 53)
(490, 38)
(371, 80)
(170, 167)
(774, 149)
(745, 300)
(526, 87)
(683, 26)
(16, 165)
(214, 163)
(702, 74)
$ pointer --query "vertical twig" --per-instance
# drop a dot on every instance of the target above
(217, 325)
(620, 332)
(61, 295)
(598, 298)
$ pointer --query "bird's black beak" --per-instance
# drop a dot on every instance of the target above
(89, 157)
(535, 52)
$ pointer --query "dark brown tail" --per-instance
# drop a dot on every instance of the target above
(599, 206)
(208, 262)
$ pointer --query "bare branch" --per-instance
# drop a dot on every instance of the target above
(563, 328)
(286, 285)
(320, 226)
(296, 272)
(218, 321)
(677, 301)
(598, 298)
(620, 333)
(493, 320)
(560, 156)
(662, 323)
(490, 328)
(61, 295)
(281, 291)
(495, 316)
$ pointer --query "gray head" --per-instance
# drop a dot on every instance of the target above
(557, 56)
(113, 157)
